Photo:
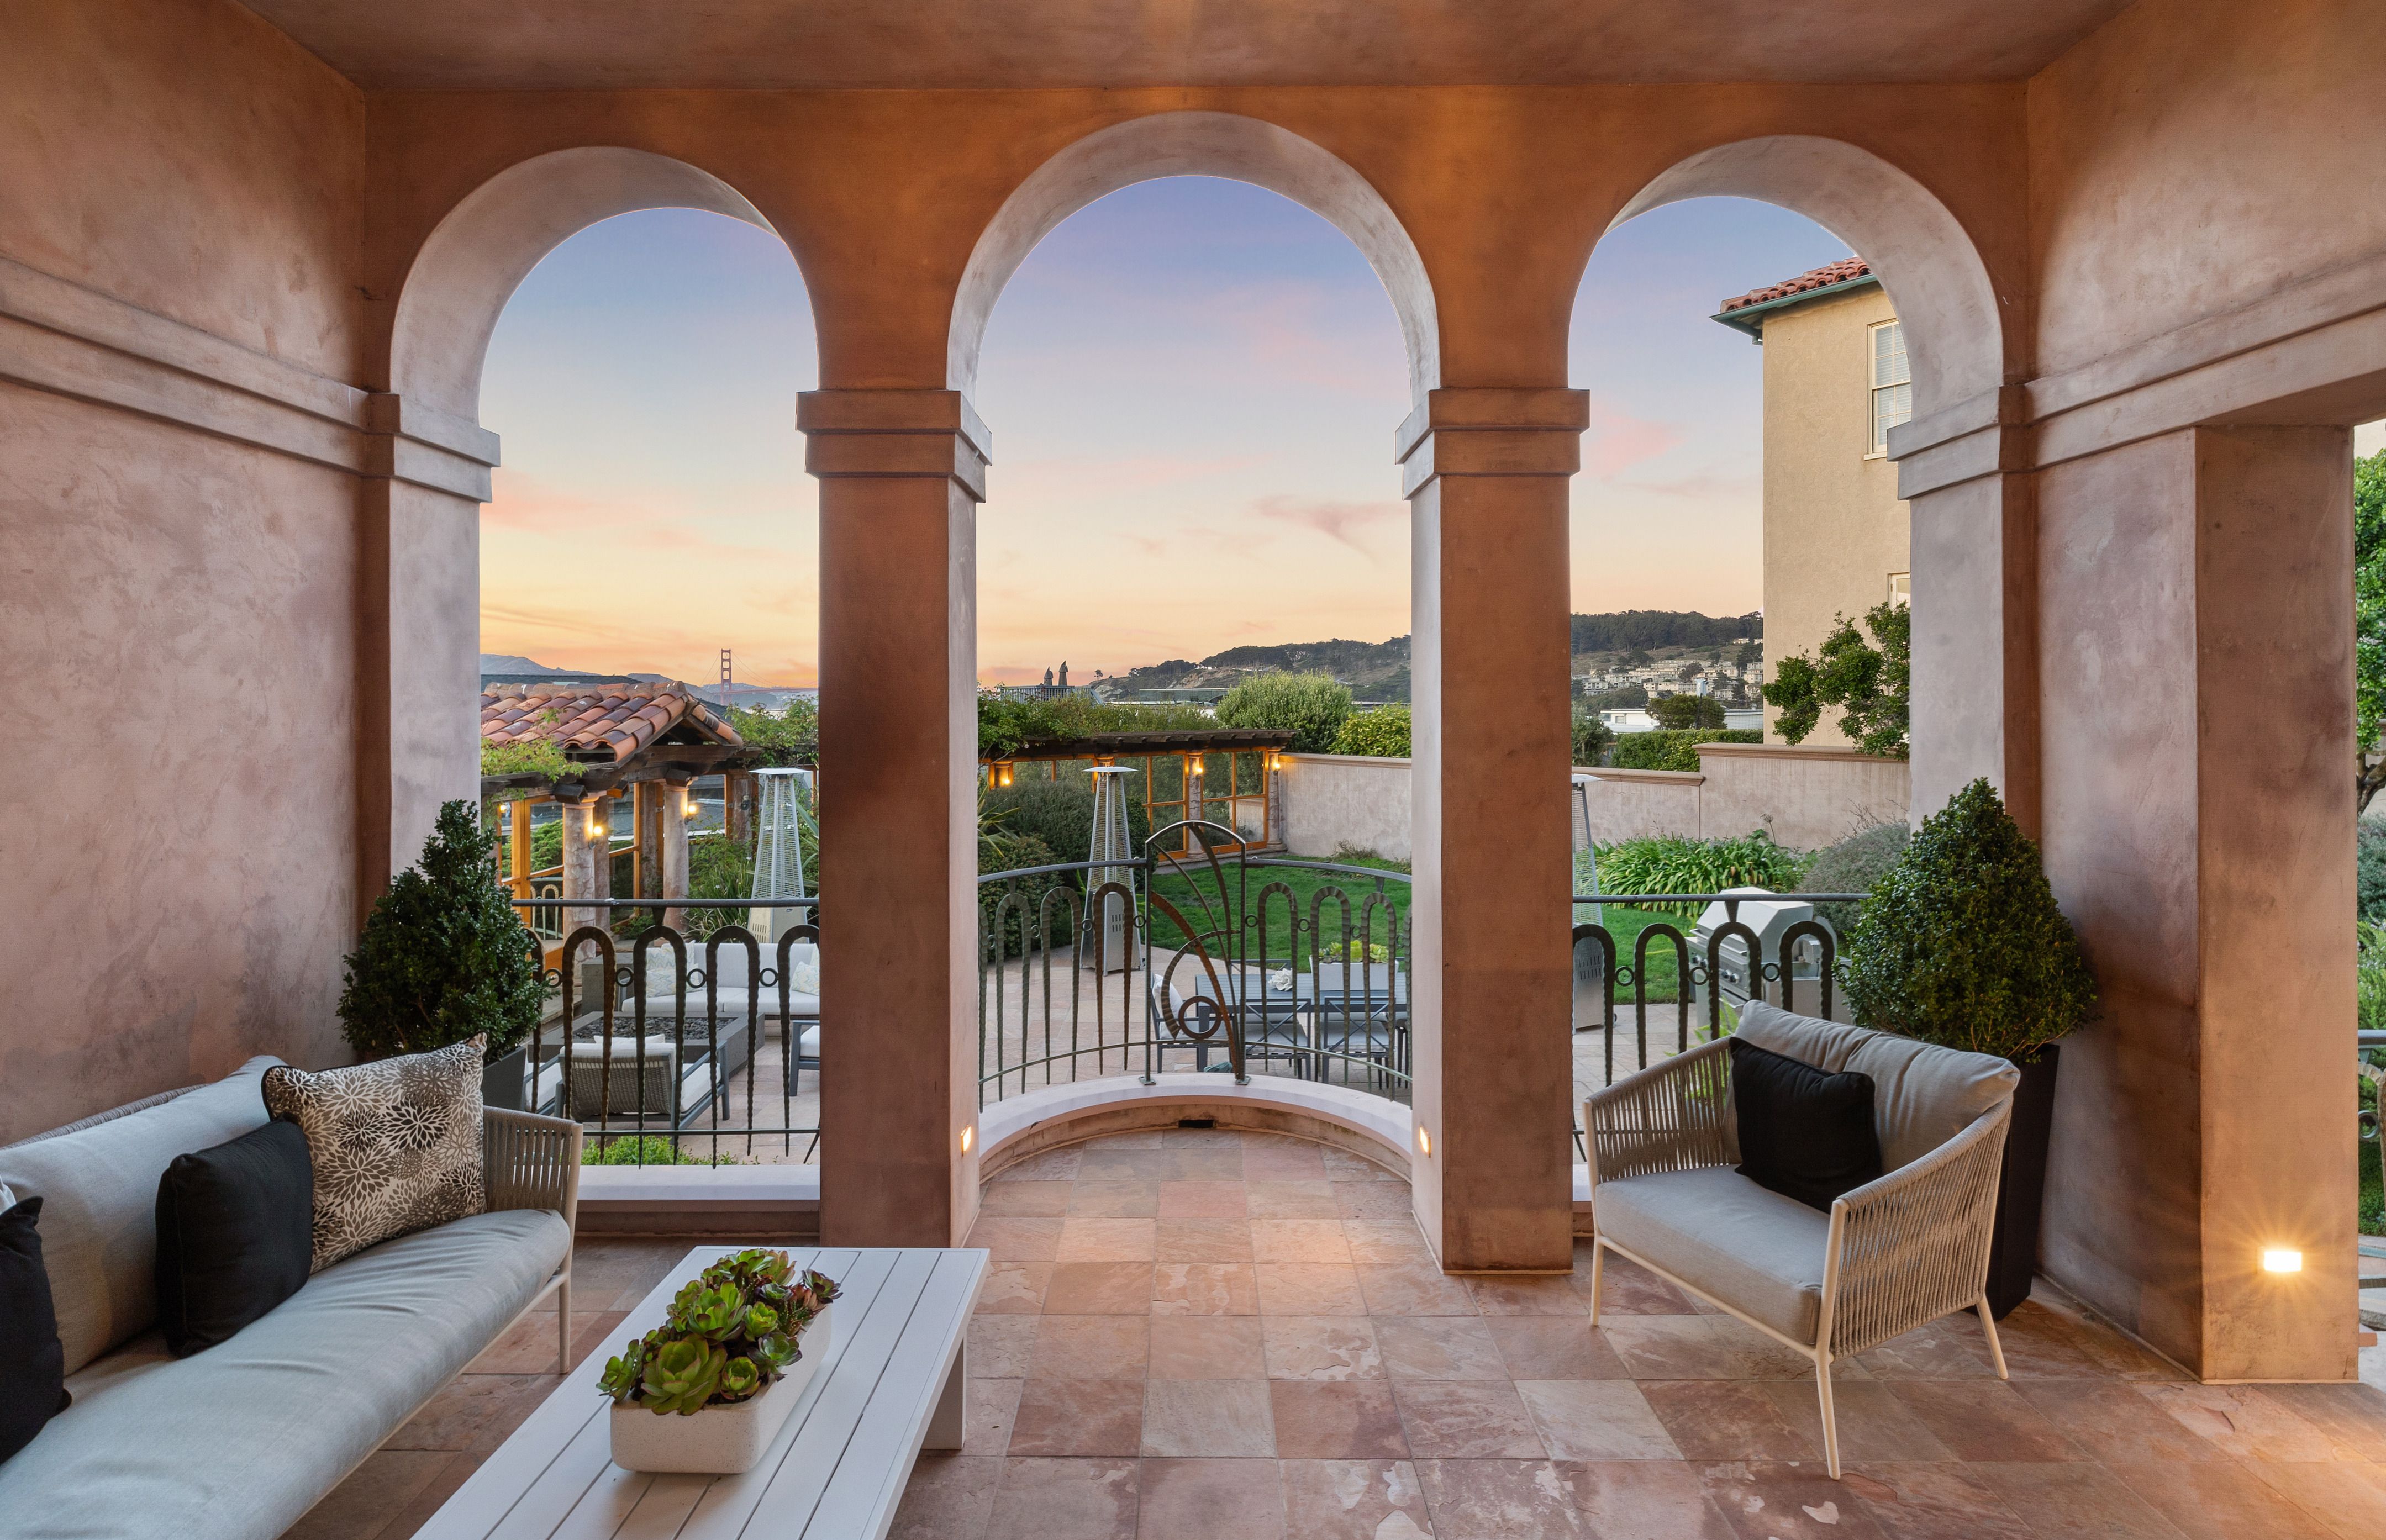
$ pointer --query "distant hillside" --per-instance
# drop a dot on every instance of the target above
(1646, 630)
(1379, 671)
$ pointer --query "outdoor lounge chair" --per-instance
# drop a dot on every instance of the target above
(1901, 1250)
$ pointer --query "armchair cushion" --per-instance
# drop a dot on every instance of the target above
(1726, 1237)
(1804, 1132)
(1923, 1095)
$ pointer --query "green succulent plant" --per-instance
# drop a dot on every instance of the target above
(730, 1333)
(681, 1375)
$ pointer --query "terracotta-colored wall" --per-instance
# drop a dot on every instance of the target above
(187, 158)
(2196, 155)
(178, 869)
(177, 609)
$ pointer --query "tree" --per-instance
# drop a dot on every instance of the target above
(442, 957)
(1870, 685)
(1675, 713)
(1310, 707)
(2368, 627)
(1591, 737)
(790, 737)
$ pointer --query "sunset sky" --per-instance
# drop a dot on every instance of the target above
(1192, 386)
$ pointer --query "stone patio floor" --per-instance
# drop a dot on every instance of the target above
(1203, 1333)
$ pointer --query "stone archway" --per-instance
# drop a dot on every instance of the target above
(1196, 143)
(1922, 254)
(487, 245)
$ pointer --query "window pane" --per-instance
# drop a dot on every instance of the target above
(1891, 407)
(1889, 365)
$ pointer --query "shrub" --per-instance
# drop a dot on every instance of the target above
(1591, 738)
(1007, 724)
(2369, 870)
(1382, 734)
(1671, 864)
(1854, 865)
(2370, 987)
(1675, 751)
(1961, 943)
(718, 866)
(1310, 707)
(786, 738)
(1058, 816)
(1676, 712)
(645, 1149)
(443, 956)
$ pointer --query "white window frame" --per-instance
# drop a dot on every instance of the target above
(1891, 397)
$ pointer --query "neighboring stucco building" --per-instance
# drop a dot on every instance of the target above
(1836, 538)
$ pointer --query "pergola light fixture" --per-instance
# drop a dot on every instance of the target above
(2280, 1258)
(1000, 772)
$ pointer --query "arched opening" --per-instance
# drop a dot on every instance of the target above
(645, 576)
(1193, 377)
(1740, 541)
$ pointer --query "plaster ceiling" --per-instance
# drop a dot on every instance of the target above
(551, 45)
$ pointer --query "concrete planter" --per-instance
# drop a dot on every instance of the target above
(719, 1441)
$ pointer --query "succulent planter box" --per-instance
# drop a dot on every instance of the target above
(718, 1440)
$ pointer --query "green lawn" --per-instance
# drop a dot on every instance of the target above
(1305, 885)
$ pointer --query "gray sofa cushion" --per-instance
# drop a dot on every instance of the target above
(1923, 1095)
(1727, 1237)
(99, 1227)
(238, 1441)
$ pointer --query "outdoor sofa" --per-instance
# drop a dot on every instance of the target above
(238, 1441)
(1899, 1251)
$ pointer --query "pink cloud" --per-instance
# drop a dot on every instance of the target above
(1701, 488)
(1618, 441)
(1332, 518)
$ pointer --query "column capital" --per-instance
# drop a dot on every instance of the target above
(1492, 430)
(895, 433)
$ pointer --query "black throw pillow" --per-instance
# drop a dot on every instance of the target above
(1804, 1134)
(32, 1364)
(235, 1235)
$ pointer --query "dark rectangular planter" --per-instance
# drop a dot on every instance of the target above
(501, 1081)
(2013, 1256)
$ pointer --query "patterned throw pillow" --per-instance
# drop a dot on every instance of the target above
(395, 1144)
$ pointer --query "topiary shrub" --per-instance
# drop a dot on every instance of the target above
(1382, 734)
(1675, 713)
(443, 956)
(1854, 865)
(1962, 944)
(1310, 707)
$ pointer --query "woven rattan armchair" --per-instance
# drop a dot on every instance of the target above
(529, 1162)
(1896, 1253)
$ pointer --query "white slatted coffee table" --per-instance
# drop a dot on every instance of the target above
(892, 1383)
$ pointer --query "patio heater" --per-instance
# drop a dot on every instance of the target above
(1113, 856)
(1582, 805)
(779, 870)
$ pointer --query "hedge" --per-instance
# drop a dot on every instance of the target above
(1676, 750)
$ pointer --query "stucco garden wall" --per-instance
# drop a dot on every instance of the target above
(1806, 797)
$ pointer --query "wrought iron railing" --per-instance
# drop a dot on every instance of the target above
(687, 1061)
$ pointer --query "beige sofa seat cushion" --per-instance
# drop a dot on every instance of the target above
(1923, 1095)
(1726, 1236)
(99, 1226)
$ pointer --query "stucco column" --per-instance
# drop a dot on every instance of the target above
(1976, 636)
(1486, 474)
(2196, 623)
(419, 629)
(671, 838)
(901, 472)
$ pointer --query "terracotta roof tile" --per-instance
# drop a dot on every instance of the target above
(592, 721)
(1846, 270)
